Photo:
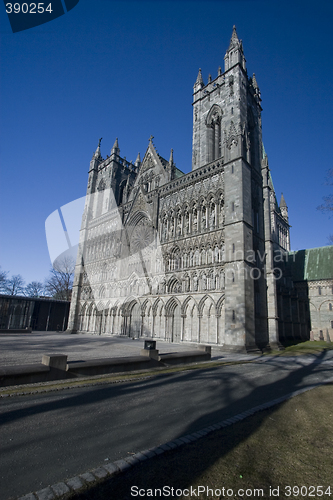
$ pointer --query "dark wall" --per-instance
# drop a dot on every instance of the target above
(38, 314)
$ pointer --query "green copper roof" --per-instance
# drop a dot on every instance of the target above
(312, 264)
(178, 173)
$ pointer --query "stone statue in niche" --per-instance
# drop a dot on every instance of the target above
(187, 224)
(165, 231)
(203, 218)
(195, 221)
(171, 229)
(179, 226)
(212, 218)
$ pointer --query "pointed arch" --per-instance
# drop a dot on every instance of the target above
(136, 218)
(208, 323)
(220, 304)
(159, 319)
(174, 285)
(158, 302)
(121, 190)
(147, 318)
(190, 320)
(213, 124)
(133, 318)
(173, 324)
(202, 302)
(215, 112)
(171, 304)
(186, 303)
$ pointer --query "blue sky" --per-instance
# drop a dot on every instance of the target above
(126, 69)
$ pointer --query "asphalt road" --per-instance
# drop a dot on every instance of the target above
(49, 437)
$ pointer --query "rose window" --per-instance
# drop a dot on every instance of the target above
(142, 236)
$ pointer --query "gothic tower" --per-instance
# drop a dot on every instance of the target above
(227, 129)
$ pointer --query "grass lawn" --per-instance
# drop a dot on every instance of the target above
(288, 445)
(308, 347)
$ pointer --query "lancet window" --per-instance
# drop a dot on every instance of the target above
(214, 133)
(100, 198)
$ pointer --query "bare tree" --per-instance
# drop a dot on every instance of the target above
(59, 284)
(3, 281)
(15, 285)
(327, 206)
(34, 289)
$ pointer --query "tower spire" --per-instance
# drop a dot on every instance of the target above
(234, 54)
(97, 155)
(138, 161)
(234, 40)
(283, 207)
(171, 158)
(115, 148)
(199, 83)
(254, 82)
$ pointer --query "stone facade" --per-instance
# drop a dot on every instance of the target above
(305, 295)
(187, 257)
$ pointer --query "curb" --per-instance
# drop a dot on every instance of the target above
(58, 490)
(106, 378)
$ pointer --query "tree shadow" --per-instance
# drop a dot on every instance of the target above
(229, 390)
(182, 468)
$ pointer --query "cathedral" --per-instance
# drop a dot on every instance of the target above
(196, 257)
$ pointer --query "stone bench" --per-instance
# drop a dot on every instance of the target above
(176, 358)
(109, 365)
(24, 374)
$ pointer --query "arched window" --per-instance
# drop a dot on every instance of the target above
(203, 217)
(176, 259)
(187, 223)
(100, 198)
(214, 133)
(165, 228)
(179, 223)
(203, 256)
(212, 215)
(195, 220)
(221, 211)
(197, 257)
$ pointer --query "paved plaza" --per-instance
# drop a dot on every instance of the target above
(18, 349)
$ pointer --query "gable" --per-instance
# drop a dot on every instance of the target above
(153, 171)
